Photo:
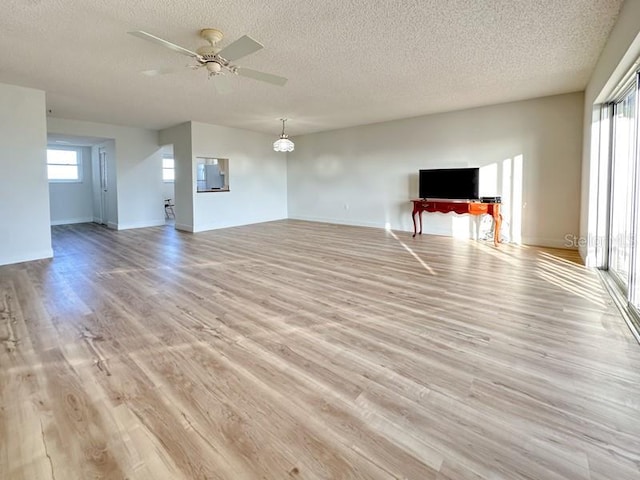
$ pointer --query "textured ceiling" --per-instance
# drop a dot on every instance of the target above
(349, 62)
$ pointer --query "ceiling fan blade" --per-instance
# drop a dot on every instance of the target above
(159, 71)
(242, 47)
(164, 43)
(263, 77)
(222, 84)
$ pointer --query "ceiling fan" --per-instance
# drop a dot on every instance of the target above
(215, 60)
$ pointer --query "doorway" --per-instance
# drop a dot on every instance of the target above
(168, 184)
(103, 185)
(77, 170)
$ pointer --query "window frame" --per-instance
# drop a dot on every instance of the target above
(169, 157)
(78, 165)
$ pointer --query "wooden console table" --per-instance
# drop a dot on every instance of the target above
(459, 207)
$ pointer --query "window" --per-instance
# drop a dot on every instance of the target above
(168, 169)
(64, 165)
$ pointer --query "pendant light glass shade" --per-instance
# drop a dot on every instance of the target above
(283, 144)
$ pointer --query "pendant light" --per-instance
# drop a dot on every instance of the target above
(283, 144)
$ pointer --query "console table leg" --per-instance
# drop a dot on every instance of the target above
(420, 216)
(413, 216)
(497, 224)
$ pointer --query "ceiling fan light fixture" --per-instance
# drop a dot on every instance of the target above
(215, 60)
(213, 68)
(283, 144)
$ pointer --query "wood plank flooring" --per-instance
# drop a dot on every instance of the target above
(295, 350)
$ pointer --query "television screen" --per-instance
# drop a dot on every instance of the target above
(450, 183)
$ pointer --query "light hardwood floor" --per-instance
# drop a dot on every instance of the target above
(294, 350)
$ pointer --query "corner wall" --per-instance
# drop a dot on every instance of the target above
(138, 170)
(180, 138)
(257, 178)
(25, 232)
(367, 175)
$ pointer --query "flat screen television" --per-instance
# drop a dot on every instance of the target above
(450, 183)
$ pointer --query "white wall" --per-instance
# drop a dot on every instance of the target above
(24, 195)
(367, 175)
(620, 52)
(179, 137)
(72, 202)
(168, 190)
(138, 159)
(257, 178)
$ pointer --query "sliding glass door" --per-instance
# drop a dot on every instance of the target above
(623, 173)
(619, 125)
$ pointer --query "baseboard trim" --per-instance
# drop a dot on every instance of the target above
(209, 227)
(71, 221)
(338, 222)
(28, 257)
(129, 226)
(531, 241)
(183, 227)
(548, 242)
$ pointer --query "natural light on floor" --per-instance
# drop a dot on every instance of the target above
(413, 254)
(569, 276)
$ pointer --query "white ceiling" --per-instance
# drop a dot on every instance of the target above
(349, 62)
